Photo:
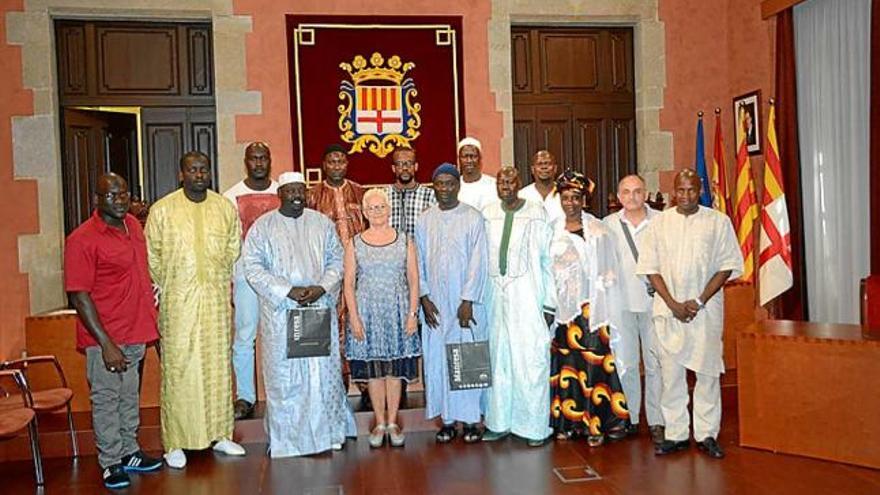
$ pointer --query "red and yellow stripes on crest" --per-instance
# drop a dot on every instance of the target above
(745, 205)
(383, 98)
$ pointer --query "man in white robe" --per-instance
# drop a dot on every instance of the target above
(543, 190)
(688, 253)
(477, 189)
(636, 323)
(451, 242)
(293, 257)
(521, 300)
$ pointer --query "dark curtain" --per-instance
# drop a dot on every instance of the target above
(875, 138)
(792, 304)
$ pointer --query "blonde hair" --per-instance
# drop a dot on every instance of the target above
(376, 192)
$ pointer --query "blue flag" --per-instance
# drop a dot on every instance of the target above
(700, 165)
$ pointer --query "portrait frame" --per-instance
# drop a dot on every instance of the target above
(752, 103)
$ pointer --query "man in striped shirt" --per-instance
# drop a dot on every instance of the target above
(408, 198)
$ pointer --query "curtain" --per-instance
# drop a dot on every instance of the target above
(791, 304)
(832, 45)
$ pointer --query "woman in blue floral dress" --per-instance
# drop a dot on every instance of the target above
(381, 289)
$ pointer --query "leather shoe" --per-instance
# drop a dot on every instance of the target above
(658, 434)
(710, 447)
(632, 430)
(670, 447)
(242, 409)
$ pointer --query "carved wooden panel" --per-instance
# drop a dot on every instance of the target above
(621, 61)
(141, 60)
(164, 146)
(523, 147)
(72, 59)
(200, 61)
(570, 61)
(554, 132)
(520, 50)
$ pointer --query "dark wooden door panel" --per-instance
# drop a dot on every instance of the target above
(569, 61)
(137, 60)
(85, 158)
(200, 61)
(134, 63)
(578, 102)
(164, 146)
(72, 59)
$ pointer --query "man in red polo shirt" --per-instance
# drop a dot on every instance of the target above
(108, 282)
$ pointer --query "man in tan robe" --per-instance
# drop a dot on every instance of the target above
(193, 238)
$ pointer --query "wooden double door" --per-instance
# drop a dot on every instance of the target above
(135, 97)
(573, 94)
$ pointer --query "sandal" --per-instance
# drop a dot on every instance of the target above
(446, 434)
(472, 433)
(395, 436)
(595, 440)
(564, 435)
(377, 436)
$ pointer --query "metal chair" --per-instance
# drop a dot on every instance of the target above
(17, 414)
(50, 399)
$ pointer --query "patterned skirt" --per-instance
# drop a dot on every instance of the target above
(407, 369)
(586, 395)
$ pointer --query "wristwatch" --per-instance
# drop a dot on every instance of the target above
(414, 314)
(699, 302)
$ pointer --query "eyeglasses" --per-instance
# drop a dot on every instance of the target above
(113, 196)
(376, 208)
(404, 164)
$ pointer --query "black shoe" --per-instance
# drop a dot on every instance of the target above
(670, 447)
(365, 404)
(446, 434)
(632, 430)
(658, 434)
(242, 409)
(711, 448)
(140, 463)
(115, 477)
(472, 433)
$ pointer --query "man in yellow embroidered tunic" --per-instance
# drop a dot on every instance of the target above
(193, 239)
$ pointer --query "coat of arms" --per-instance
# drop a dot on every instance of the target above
(377, 111)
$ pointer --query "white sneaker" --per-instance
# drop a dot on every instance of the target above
(336, 446)
(176, 459)
(229, 447)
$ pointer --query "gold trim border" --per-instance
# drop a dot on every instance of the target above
(310, 29)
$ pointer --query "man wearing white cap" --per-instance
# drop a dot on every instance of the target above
(292, 257)
(477, 188)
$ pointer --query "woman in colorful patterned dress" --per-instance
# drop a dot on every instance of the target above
(381, 288)
(586, 395)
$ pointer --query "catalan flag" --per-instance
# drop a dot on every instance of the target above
(700, 165)
(774, 261)
(720, 196)
(745, 206)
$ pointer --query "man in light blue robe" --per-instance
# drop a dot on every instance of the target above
(451, 241)
(293, 257)
(521, 300)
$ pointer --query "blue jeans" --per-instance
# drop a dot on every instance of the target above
(247, 317)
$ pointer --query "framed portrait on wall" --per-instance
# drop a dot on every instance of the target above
(750, 103)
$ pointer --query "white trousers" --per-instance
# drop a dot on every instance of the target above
(636, 328)
(674, 402)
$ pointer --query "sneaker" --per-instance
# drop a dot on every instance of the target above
(139, 462)
(115, 477)
(395, 436)
(176, 459)
(229, 447)
(336, 446)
